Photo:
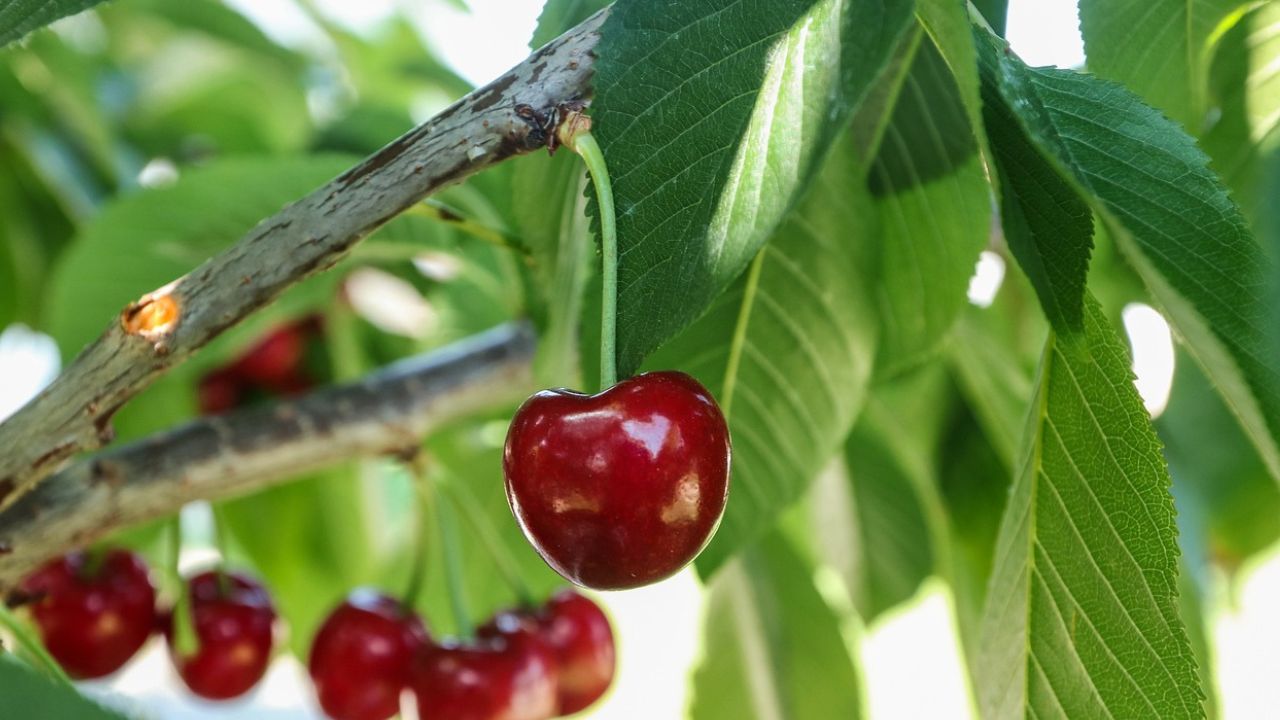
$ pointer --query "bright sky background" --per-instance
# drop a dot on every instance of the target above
(910, 659)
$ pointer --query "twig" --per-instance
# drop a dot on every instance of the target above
(218, 457)
(165, 326)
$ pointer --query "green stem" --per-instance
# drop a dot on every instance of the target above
(469, 507)
(447, 536)
(28, 642)
(222, 544)
(184, 632)
(582, 142)
(453, 573)
(421, 537)
(436, 210)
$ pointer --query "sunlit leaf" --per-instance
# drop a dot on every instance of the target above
(930, 190)
(787, 351)
(1082, 617)
(19, 17)
(1169, 214)
(712, 117)
(1168, 68)
(772, 647)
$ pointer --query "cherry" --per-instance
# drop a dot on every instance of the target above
(233, 620)
(220, 391)
(579, 633)
(622, 488)
(276, 359)
(93, 615)
(361, 656)
(509, 673)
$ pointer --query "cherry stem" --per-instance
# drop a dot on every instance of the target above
(26, 640)
(447, 536)
(575, 133)
(222, 545)
(421, 535)
(93, 559)
(184, 631)
(469, 507)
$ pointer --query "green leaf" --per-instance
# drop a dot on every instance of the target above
(1168, 68)
(559, 16)
(1048, 227)
(1244, 87)
(27, 694)
(19, 17)
(992, 376)
(550, 210)
(772, 647)
(949, 26)
(931, 193)
(788, 352)
(1082, 612)
(974, 484)
(996, 13)
(1224, 493)
(1171, 217)
(896, 508)
(144, 240)
(712, 117)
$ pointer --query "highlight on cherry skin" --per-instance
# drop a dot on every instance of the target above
(622, 488)
(93, 610)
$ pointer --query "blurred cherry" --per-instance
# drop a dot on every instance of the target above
(234, 620)
(93, 613)
(509, 673)
(580, 635)
(361, 656)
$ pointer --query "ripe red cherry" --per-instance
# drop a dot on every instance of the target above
(622, 488)
(509, 673)
(361, 656)
(233, 620)
(579, 633)
(93, 619)
(276, 360)
(220, 391)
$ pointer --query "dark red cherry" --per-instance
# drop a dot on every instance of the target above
(220, 391)
(361, 656)
(276, 359)
(579, 634)
(509, 673)
(622, 488)
(93, 614)
(233, 619)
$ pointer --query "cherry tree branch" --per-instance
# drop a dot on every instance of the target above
(388, 412)
(165, 326)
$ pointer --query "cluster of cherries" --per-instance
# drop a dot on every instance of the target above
(615, 490)
(94, 613)
(529, 664)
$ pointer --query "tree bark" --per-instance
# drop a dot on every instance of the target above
(388, 412)
(165, 326)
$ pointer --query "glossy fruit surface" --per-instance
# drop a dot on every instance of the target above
(233, 619)
(507, 674)
(580, 635)
(93, 619)
(362, 654)
(622, 488)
